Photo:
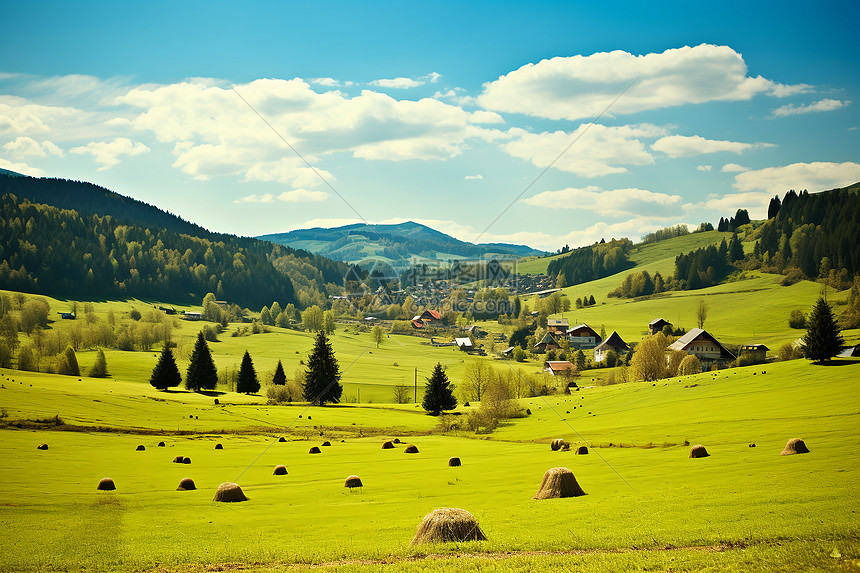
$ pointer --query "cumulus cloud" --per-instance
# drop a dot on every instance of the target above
(397, 83)
(579, 86)
(473, 177)
(733, 168)
(265, 198)
(613, 202)
(754, 202)
(816, 176)
(330, 82)
(820, 105)
(108, 153)
(689, 145)
(598, 150)
(215, 133)
(704, 167)
(29, 147)
(303, 196)
(21, 168)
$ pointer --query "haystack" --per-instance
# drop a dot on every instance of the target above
(387, 445)
(187, 484)
(411, 449)
(396, 440)
(454, 462)
(280, 471)
(219, 447)
(558, 482)
(179, 459)
(556, 444)
(326, 443)
(106, 484)
(448, 524)
(42, 447)
(282, 439)
(565, 447)
(528, 412)
(752, 445)
(229, 491)
(795, 446)
(160, 444)
(699, 451)
(581, 450)
(314, 450)
(353, 481)
(186, 460)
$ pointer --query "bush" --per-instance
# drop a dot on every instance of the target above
(27, 360)
(99, 367)
(789, 351)
(797, 319)
(519, 354)
(793, 276)
(689, 365)
(289, 392)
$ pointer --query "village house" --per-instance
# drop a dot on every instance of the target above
(612, 342)
(546, 343)
(583, 336)
(557, 326)
(705, 347)
(192, 315)
(430, 315)
(758, 352)
(657, 325)
(559, 368)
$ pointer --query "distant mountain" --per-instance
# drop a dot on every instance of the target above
(398, 245)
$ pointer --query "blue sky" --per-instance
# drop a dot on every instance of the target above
(573, 121)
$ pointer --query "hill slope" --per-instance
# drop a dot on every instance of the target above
(396, 244)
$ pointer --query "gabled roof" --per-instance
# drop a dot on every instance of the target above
(612, 341)
(417, 324)
(433, 314)
(559, 365)
(547, 339)
(683, 342)
(461, 342)
(583, 326)
(752, 347)
(657, 321)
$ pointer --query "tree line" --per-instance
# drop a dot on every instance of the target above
(592, 262)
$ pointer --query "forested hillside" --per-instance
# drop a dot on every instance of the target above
(589, 263)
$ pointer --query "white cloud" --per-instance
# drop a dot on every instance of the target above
(820, 105)
(397, 83)
(754, 202)
(265, 198)
(598, 150)
(29, 147)
(704, 167)
(577, 87)
(613, 202)
(687, 146)
(303, 196)
(21, 168)
(330, 82)
(19, 116)
(817, 176)
(433, 77)
(108, 153)
(477, 177)
(733, 168)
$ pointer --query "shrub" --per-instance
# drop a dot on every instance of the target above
(789, 351)
(689, 365)
(797, 319)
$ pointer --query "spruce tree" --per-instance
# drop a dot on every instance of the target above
(99, 367)
(438, 393)
(822, 340)
(201, 374)
(322, 378)
(247, 382)
(279, 379)
(165, 374)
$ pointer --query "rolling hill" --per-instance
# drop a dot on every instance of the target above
(398, 244)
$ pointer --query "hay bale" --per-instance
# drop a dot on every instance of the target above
(140, 448)
(396, 440)
(448, 524)
(280, 471)
(387, 445)
(282, 439)
(187, 484)
(581, 450)
(314, 450)
(752, 445)
(186, 460)
(454, 462)
(219, 447)
(179, 459)
(216, 401)
(565, 447)
(528, 412)
(556, 444)
(558, 483)
(160, 444)
(699, 451)
(353, 481)
(794, 446)
(411, 449)
(106, 484)
(326, 443)
(42, 447)
(230, 492)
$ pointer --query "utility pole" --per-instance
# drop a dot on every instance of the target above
(415, 399)
(359, 395)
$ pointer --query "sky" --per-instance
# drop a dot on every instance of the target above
(539, 123)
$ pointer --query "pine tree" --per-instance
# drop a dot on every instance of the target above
(165, 374)
(822, 340)
(438, 393)
(322, 378)
(201, 374)
(247, 382)
(279, 379)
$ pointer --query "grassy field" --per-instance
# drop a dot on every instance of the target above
(648, 505)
